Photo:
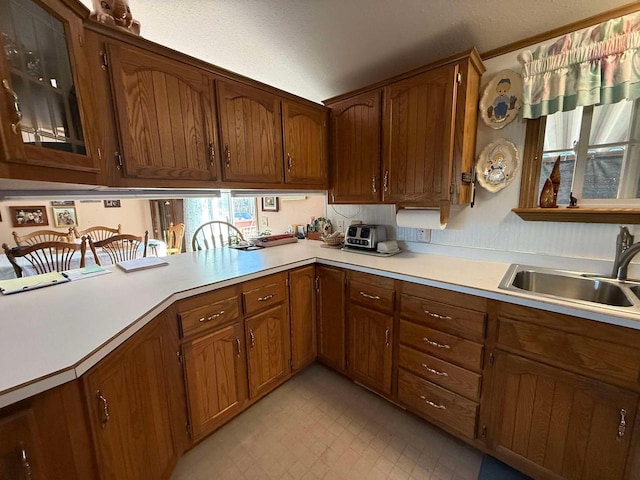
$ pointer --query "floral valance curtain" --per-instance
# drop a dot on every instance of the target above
(595, 66)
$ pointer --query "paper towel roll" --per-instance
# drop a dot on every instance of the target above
(414, 218)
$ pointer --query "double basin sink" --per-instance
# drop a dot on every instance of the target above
(577, 287)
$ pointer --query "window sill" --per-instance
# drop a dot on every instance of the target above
(580, 214)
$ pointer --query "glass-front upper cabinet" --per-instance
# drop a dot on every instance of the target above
(44, 86)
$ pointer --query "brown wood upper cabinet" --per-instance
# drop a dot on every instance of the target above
(46, 103)
(356, 149)
(164, 115)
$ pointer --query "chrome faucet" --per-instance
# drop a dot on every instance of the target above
(625, 251)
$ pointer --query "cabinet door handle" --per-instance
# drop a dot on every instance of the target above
(238, 345)
(436, 344)
(105, 408)
(289, 162)
(227, 153)
(435, 315)
(372, 297)
(253, 338)
(16, 105)
(266, 297)
(373, 184)
(212, 154)
(431, 404)
(386, 337)
(24, 460)
(212, 317)
(435, 372)
(386, 181)
(317, 284)
(622, 427)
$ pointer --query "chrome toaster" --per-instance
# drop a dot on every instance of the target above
(365, 236)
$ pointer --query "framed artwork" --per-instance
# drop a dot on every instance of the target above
(29, 216)
(63, 203)
(502, 99)
(112, 204)
(65, 217)
(270, 204)
(497, 165)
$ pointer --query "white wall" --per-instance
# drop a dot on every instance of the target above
(134, 216)
(292, 212)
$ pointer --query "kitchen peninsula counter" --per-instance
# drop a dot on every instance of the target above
(53, 335)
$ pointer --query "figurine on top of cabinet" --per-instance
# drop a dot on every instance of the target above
(115, 13)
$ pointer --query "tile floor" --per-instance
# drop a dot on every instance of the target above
(320, 425)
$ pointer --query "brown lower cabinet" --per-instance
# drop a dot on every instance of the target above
(302, 306)
(330, 286)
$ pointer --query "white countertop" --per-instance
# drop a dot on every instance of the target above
(53, 335)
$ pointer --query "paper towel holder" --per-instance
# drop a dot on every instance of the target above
(444, 208)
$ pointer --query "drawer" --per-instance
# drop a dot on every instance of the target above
(369, 279)
(263, 293)
(455, 320)
(207, 317)
(442, 345)
(376, 297)
(589, 356)
(438, 404)
(445, 374)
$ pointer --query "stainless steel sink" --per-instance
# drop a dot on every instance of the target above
(571, 286)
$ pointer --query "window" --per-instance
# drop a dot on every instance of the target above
(598, 148)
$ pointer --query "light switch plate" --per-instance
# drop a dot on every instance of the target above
(264, 222)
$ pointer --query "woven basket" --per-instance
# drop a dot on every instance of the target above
(333, 241)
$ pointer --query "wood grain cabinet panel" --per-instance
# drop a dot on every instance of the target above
(302, 303)
(376, 297)
(215, 375)
(20, 447)
(165, 116)
(251, 128)
(370, 347)
(264, 293)
(553, 422)
(305, 144)
(356, 153)
(130, 409)
(268, 349)
(331, 303)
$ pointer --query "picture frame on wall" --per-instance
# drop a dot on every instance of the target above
(270, 204)
(65, 217)
(29, 216)
(112, 204)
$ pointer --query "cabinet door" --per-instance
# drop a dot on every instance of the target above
(356, 149)
(251, 134)
(164, 113)
(331, 316)
(562, 422)
(419, 128)
(268, 349)
(215, 374)
(305, 144)
(302, 300)
(45, 101)
(370, 335)
(19, 447)
(130, 417)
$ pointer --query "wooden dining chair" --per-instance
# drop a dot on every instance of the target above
(173, 238)
(41, 236)
(98, 232)
(45, 257)
(214, 234)
(120, 248)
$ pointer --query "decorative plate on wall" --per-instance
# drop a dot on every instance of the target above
(497, 164)
(502, 99)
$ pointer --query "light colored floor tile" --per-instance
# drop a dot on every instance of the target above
(321, 426)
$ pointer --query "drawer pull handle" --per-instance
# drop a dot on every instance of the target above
(435, 315)
(431, 404)
(24, 460)
(372, 297)
(435, 372)
(622, 427)
(266, 297)
(436, 344)
(105, 408)
(212, 317)
(253, 338)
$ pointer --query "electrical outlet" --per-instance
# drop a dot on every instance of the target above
(424, 235)
(340, 225)
(264, 222)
